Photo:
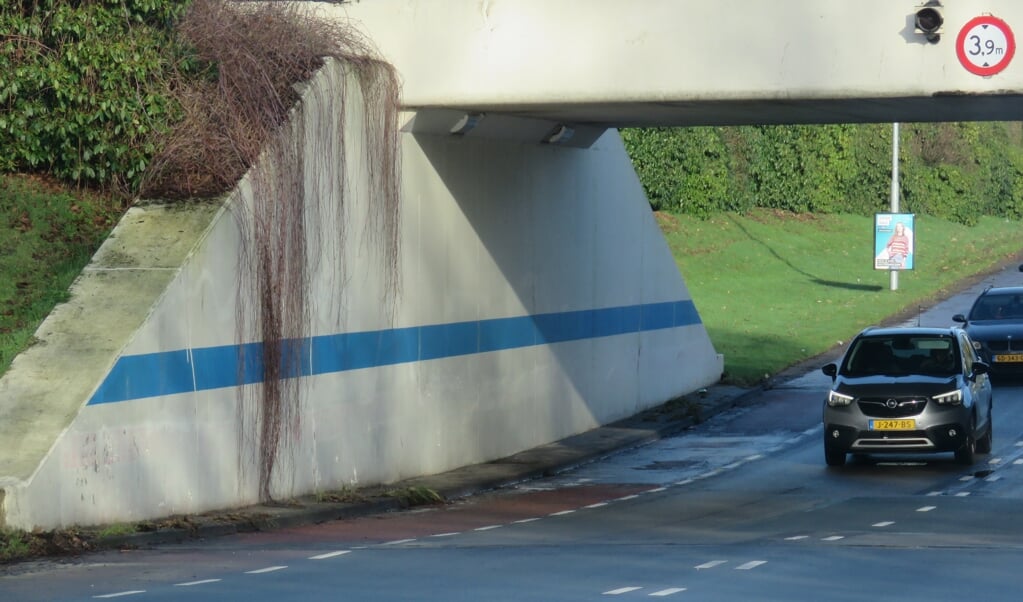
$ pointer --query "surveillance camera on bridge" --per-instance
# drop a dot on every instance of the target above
(928, 23)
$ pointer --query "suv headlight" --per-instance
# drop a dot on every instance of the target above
(836, 399)
(952, 398)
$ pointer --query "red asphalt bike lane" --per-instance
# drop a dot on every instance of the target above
(497, 508)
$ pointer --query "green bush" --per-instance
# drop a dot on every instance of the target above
(953, 171)
(80, 86)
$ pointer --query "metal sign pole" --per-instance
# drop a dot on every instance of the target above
(894, 274)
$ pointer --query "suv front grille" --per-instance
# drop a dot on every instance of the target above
(903, 406)
(1004, 345)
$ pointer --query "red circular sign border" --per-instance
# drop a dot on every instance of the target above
(1010, 41)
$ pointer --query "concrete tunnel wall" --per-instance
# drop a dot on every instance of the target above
(538, 300)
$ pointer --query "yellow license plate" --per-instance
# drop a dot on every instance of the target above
(1009, 357)
(893, 425)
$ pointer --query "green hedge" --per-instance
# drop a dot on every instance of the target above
(80, 86)
(954, 171)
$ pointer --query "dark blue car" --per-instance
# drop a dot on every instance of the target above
(995, 323)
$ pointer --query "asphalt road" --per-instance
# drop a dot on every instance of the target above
(740, 507)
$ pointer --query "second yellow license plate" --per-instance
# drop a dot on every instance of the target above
(1009, 357)
(893, 425)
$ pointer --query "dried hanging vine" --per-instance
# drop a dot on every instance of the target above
(241, 112)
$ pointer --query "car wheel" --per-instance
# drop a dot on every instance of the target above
(967, 453)
(984, 443)
(834, 456)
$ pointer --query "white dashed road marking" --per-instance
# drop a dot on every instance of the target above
(926, 508)
(669, 591)
(269, 569)
(750, 565)
(710, 565)
(621, 590)
(886, 523)
(122, 594)
(329, 555)
(192, 583)
(833, 538)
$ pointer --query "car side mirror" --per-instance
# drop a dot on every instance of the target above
(959, 318)
(980, 368)
(830, 369)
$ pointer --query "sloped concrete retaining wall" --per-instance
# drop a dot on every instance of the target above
(538, 300)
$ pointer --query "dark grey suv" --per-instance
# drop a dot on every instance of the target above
(908, 390)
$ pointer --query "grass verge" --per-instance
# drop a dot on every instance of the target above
(776, 288)
(48, 236)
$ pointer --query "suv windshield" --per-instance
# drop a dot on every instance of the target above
(997, 307)
(901, 355)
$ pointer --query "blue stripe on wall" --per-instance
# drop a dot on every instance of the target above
(184, 371)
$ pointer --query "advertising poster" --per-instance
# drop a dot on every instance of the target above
(893, 241)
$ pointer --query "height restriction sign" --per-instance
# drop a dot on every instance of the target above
(985, 45)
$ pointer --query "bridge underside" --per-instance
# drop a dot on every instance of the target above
(938, 108)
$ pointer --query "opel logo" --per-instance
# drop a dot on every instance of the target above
(891, 404)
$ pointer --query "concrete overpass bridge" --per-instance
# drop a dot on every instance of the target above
(697, 62)
(538, 298)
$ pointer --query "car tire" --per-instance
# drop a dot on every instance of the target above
(834, 456)
(966, 454)
(984, 443)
